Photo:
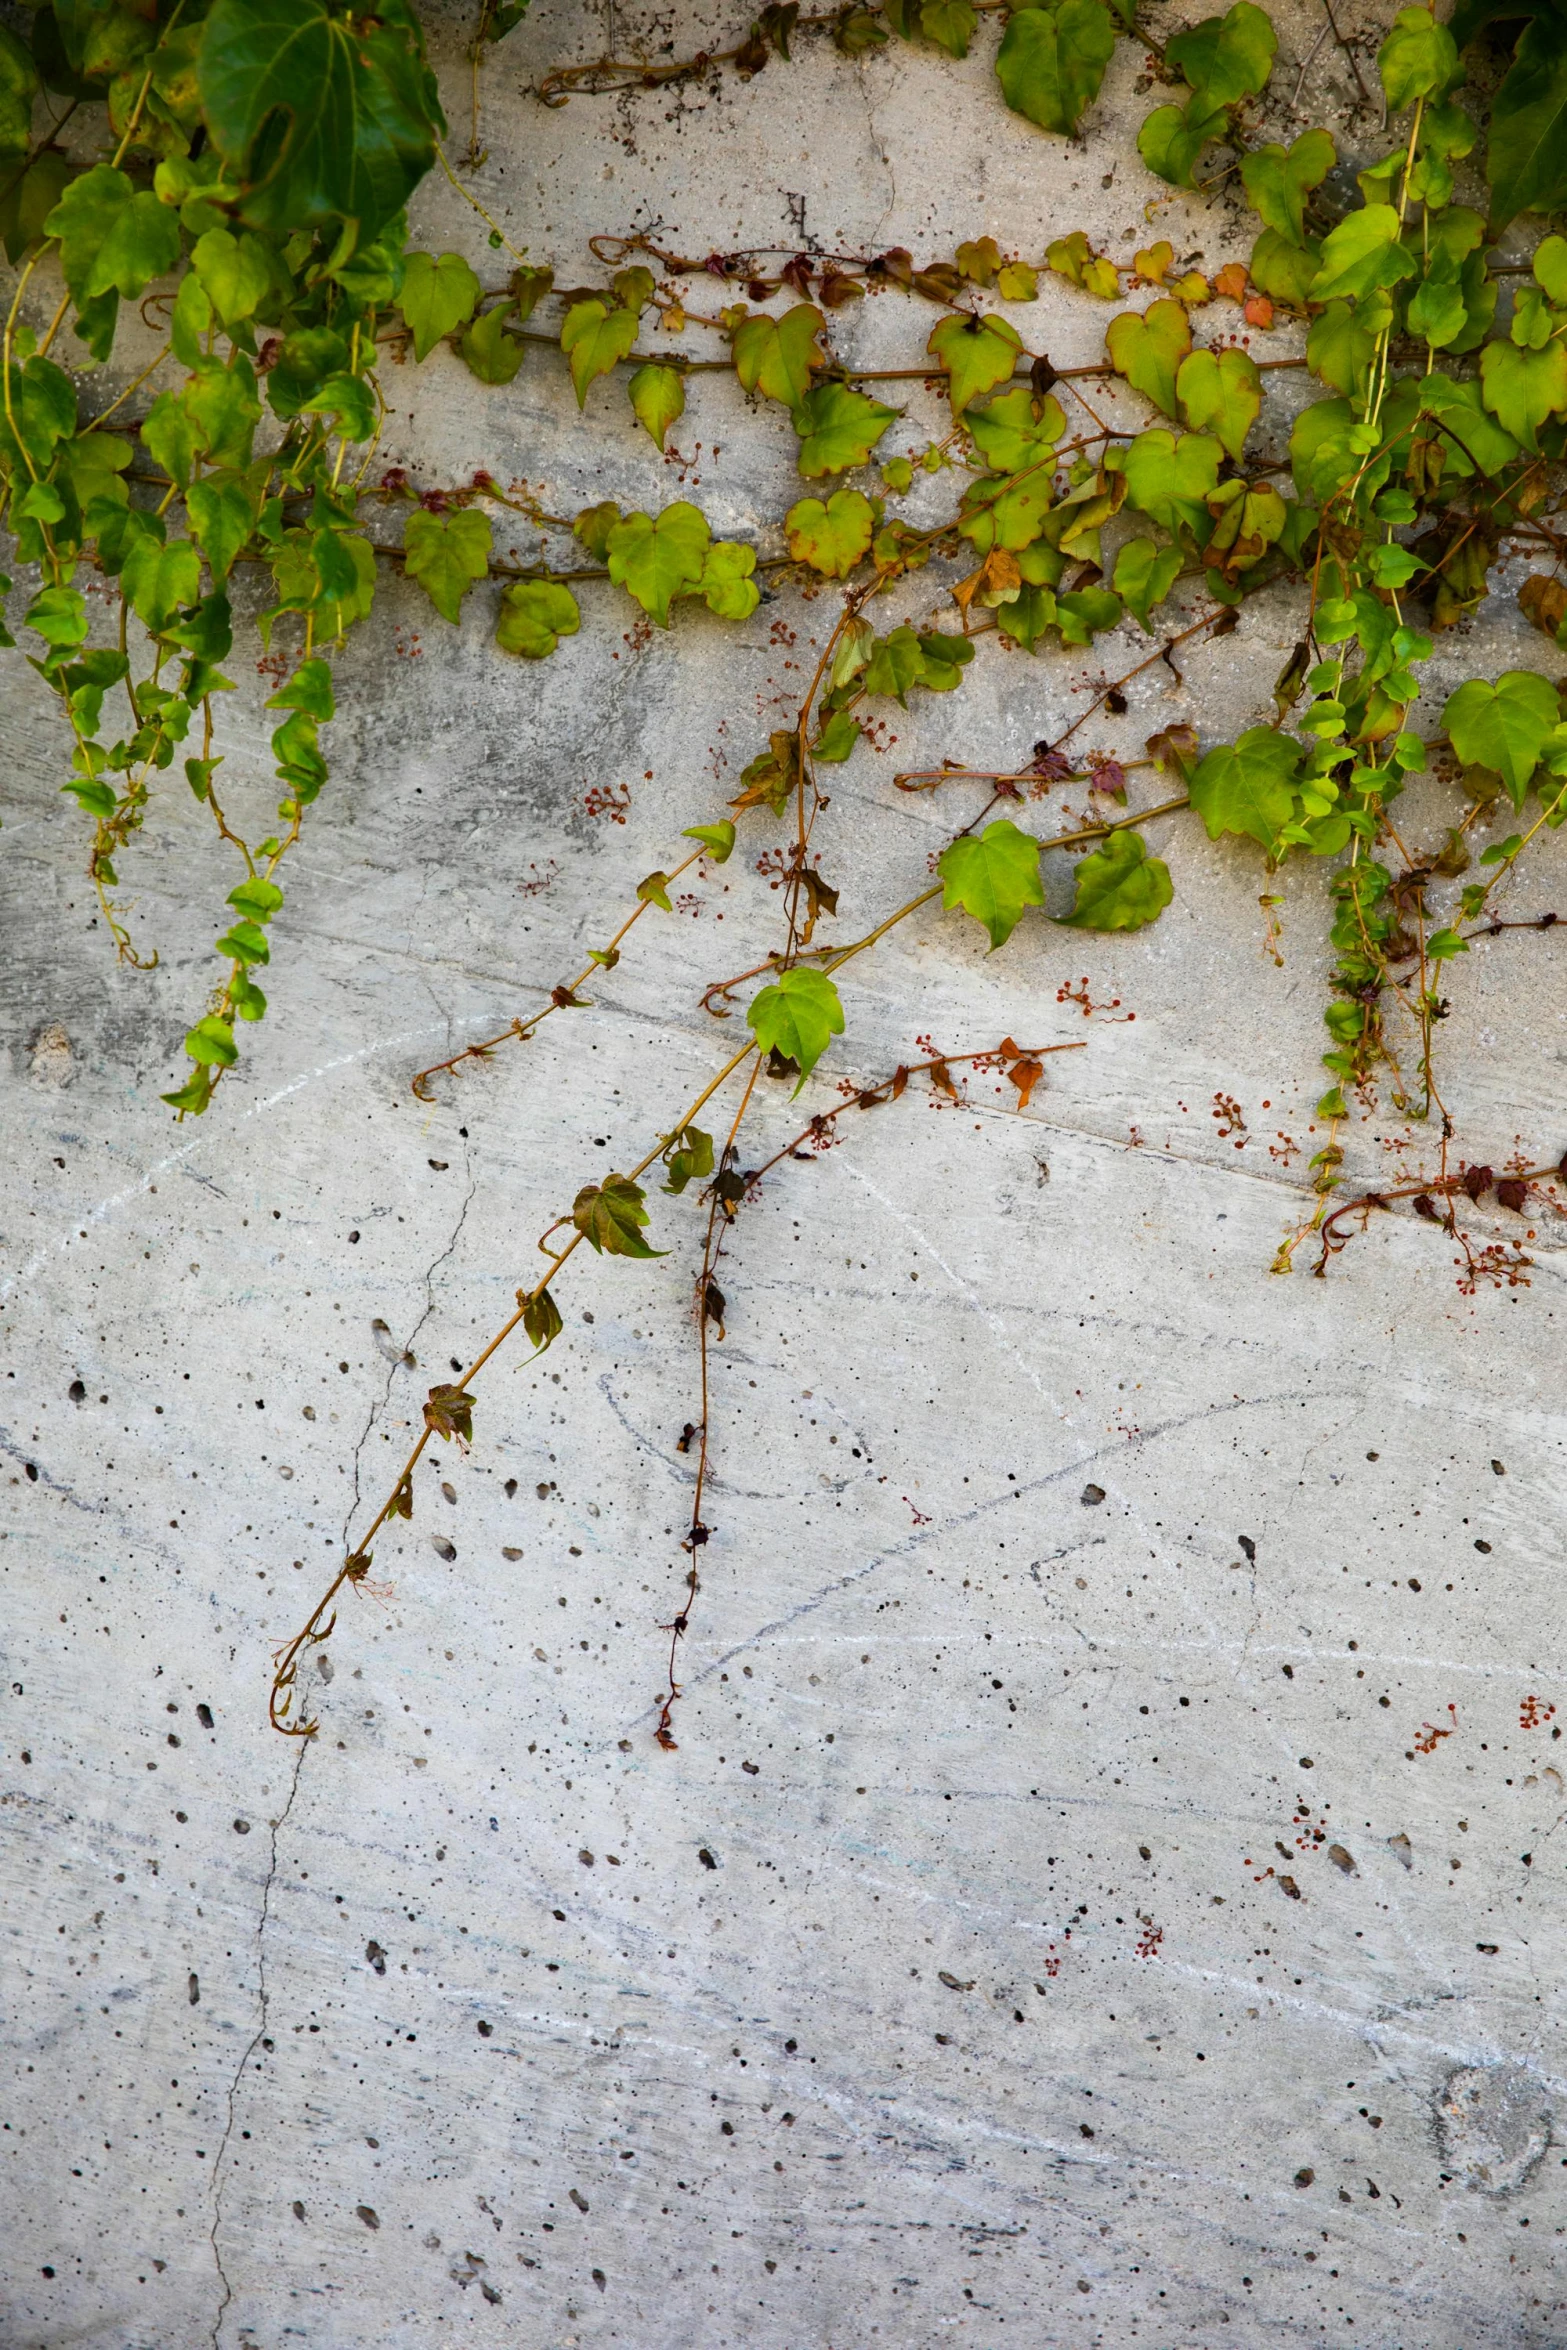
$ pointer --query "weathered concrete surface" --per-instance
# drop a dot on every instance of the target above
(945, 1984)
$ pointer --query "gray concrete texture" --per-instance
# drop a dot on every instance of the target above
(1058, 1923)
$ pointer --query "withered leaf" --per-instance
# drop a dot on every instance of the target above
(448, 1412)
(1025, 1075)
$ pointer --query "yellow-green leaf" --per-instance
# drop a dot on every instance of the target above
(1220, 392)
(776, 355)
(1148, 347)
(658, 558)
(446, 554)
(833, 537)
(535, 615)
(594, 339)
(658, 399)
(978, 352)
(438, 294)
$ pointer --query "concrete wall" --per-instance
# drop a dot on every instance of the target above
(946, 1983)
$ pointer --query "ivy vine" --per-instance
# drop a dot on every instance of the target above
(247, 196)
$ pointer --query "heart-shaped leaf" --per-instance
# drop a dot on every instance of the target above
(1220, 392)
(1120, 887)
(992, 876)
(833, 537)
(1148, 347)
(797, 1017)
(1504, 725)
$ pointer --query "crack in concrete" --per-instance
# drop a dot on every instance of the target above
(377, 1408)
(278, 1825)
(254, 2042)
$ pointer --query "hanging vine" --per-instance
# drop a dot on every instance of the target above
(246, 193)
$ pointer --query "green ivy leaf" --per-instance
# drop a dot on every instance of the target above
(1476, 440)
(1220, 392)
(28, 197)
(895, 663)
(1000, 512)
(193, 1096)
(1016, 429)
(978, 352)
(318, 117)
(797, 1017)
(18, 88)
(1145, 574)
(838, 428)
(1523, 388)
(1361, 254)
(172, 437)
(59, 616)
(222, 520)
(1278, 180)
(258, 900)
(688, 1155)
(111, 238)
(246, 942)
(1226, 58)
(837, 738)
(158, 580)
(1284, 271)
(43, 411)
(775, 356)
(658, 400)
(211, 1044)
(1248, 786)
(309, 691)
(351, 401)
(1085, 613)
(949, 23)
(439, 295)
(1526, 159)
(1052, 61)
(717, 840)
(1438, 312)
(1173, 137)
(446, 554)
(1170, 480)
(224, 404)
(834, 537)
(1417, 60)
(1503, 726)
(611, 1215)
(535, 615)
(1341, 345)
(594, 339)
(993, 877)
(488, 351)
(658, 558)
(726, 585)
(304, 360)
(1120, 887)
(234, 272)
(1148, 348)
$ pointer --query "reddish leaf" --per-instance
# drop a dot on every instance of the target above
(1025, 1075)
(448, 1412)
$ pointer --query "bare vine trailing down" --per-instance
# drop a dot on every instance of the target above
(246, 171)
